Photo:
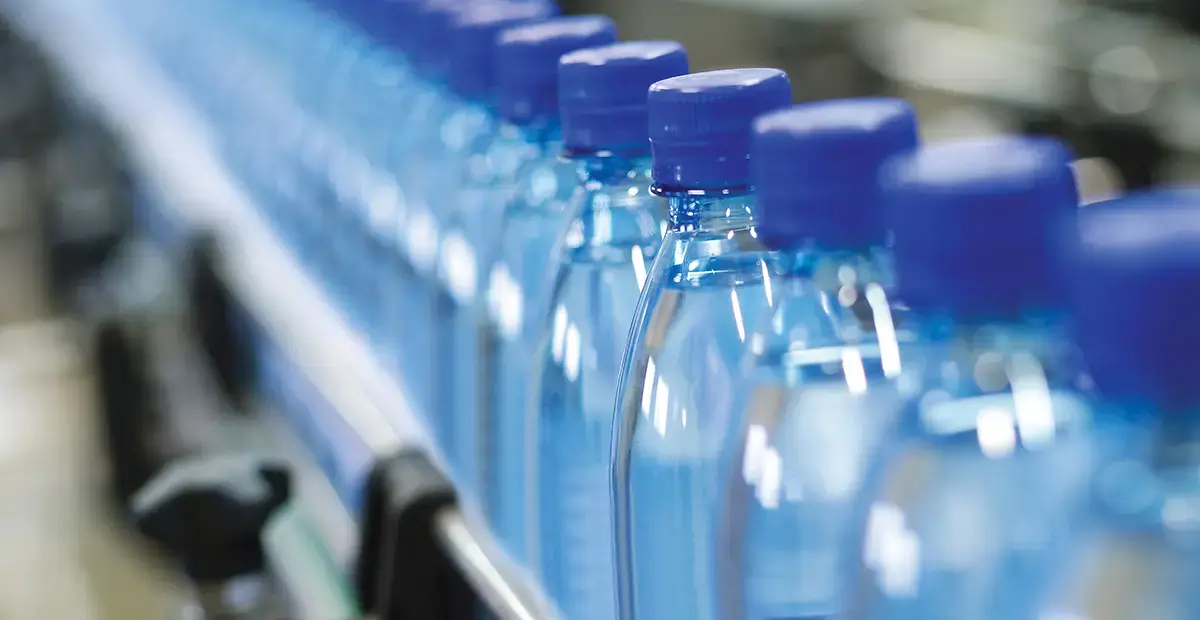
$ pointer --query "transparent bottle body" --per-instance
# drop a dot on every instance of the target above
(517, 294)
(487, 181)
(1134, 549)
(467, 133)
(969, 500)
(608, 246)
(317, 123)
(822, 366)
(679, 391)
(352, 145)
(411, 305)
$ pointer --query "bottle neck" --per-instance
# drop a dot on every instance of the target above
(464, 126)
(708, 210)
(608, 168)
(942, 328)
(833, 270)
(1159, 446)
(545, 134)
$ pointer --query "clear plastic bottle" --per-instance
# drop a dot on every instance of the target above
(516, 252)
(474, 37)
(1133, 550)
(615, 228)
(965, 509)
(678, 386)
(411, 309)
(821, 365)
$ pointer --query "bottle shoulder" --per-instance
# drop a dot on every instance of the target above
(1033, 376)
(1063, 527)
(613, 224)
(545, 183)
(684, 382)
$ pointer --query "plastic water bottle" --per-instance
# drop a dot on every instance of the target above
(615, 228)
(1132, 547)
(679, 384)
(378, 87)
(465, 133)
(411, 308)
(520, 245)
(377, 82)
(967, 503)
(821, 364)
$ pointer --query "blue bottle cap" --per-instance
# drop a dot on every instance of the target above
(1136, 285)
(528, 62)
(391, 23)
(700, 125)
(602, 92)
(475, 37)
(431, 27)
(980, 226)
(815, 168)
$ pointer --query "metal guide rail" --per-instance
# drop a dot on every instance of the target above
(409, 552)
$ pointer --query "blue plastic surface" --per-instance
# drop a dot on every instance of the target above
(531, 214)
(1134, 297)
(604, 254)
(815, 167)
(966, 507)
(980, 226)
(698, 125)
(603, 91)
(528, 62)
(1136, 281)
(821, 366)
(678, 390)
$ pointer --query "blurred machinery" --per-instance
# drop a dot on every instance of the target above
(1117, 79)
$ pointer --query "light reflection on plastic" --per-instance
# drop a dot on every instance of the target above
(762, 467)
(1031, 399)
(662, 395)
(737, 315)
(892, 550)
(648, 387)
(543, 185)
(422, 239)
(602, 220)
(505, 301)
(558, 333)
(767, 284)
(639, 266)
(756, 443)
(852, 369)
(459, 267)
(384, 203)
(758, 344)
(572, 354)
(885, 330)
(996, 432)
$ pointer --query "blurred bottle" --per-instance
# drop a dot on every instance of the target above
(418, 154)
(679, 382)
(518, 271)
(822, 363)
(1132, 551)
(466, 133)
(374, 82)
(615, 228)
(966, 505)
